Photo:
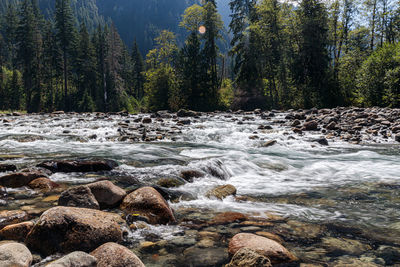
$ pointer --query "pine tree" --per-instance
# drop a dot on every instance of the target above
(311, 66)
(137, 71)
(10, 29)
(65, 32)
(85, 68)
(29, 53)
(213, 25)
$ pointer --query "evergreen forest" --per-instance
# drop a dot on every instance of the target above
(69, 55)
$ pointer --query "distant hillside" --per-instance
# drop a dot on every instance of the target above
(140, 19)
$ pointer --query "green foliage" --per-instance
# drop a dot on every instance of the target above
(226, 94)
(377, 78)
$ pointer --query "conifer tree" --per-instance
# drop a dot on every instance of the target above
(65, 32)
(137, 71)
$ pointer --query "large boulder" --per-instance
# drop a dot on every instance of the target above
(147, 202)
(8, 217)
(107, 194)
(67, 229)
(79, 165)
(114, 255)
(222, 191)
(15, 255)
(17, 232)
(264, 246)
(19, 179)
(80, 196)
(75, 259)
(246, 257)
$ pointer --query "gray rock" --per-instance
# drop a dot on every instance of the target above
(205, 257)
(80, 196)
(107, 194)
(15, 255)
(75, 259)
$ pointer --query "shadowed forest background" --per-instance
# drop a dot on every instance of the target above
(150, 55)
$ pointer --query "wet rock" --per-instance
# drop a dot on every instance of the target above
(397, 138)
(146, 120)
(269, 143)
(80, 196)
(270, 236)
(15, 255)
(19, 179)
(79, 165)
(107, 194)
(246, 257)
(112, 254)
(222, 191)
(147, 202)
(44, 184)
(295, 123)
(205, 257)
(228, 217)
(183, 241)
(310, 126)
(17, 232)
(352, 262)
(331, 126)
(188, 175)
(344, 246)
(186, 113)
(322, 141)
(390, 255)
(7, 168)
(264, 246)
(67, 229)
(75, 259)
(170, 182)
(8, 217)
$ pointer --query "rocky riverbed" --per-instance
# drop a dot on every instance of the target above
(294, 188)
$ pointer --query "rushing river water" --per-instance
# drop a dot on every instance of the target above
(343, 183)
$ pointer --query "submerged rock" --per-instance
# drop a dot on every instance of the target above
(79, 165)
(80, 196)
(222, 191)
(114, 255)
(17, 232)
(15, 255)
(188, 175)
(107, 194)
(264, 246)
(149, 203)
(205, 257)
(344, 246)
(246, 257)
(75, 259)
(66, 229)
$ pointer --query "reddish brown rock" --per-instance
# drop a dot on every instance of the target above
(112, 254)
(147, 202)
(19, 179)
(107, 194)
(44, 184)
(17, 232)
(67, 229)
(79, 196)
(264, 246)
(229, 217)
(8, 217)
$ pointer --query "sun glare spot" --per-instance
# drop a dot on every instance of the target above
(202, 30)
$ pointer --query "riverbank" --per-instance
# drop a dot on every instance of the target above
(322, 184)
